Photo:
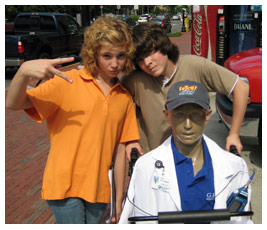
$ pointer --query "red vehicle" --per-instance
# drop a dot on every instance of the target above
(248, 65)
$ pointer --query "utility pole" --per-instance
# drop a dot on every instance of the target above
(183, 25)
(101, 7)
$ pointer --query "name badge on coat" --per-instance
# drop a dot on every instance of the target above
(160, 181)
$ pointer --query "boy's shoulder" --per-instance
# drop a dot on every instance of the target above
(191, 59)
(136, 74)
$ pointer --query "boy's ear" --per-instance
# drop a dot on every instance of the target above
(208, 115)
(166, 115)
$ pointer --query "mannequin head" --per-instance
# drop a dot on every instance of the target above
(187, 111)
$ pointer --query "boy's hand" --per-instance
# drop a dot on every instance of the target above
(233, 140)
(130, 145)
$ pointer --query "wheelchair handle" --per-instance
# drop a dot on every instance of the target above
(233, 150)
(191, 216)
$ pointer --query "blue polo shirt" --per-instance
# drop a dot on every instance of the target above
(196, 192)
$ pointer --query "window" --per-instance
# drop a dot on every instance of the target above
(67, 25)
(33, 22)
(23, 22)
(47, 23)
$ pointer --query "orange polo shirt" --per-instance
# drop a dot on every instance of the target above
(84, 127)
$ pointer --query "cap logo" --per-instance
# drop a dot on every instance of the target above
(187, 89)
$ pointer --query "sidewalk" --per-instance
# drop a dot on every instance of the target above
(183, 42)
(26, 150)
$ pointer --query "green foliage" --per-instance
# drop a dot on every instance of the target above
(158, 10)
(12, 10)
(178, 34)
(171, 9)
(134, 17)
(181, 7)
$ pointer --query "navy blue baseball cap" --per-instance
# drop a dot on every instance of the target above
(185, 92)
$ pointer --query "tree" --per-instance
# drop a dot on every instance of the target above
(171, 9)
(12, 10)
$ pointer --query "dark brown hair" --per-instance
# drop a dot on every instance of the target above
(148, 37)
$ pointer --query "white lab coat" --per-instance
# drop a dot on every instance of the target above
(152, 201)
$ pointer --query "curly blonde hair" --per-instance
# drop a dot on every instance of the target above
(106, 31)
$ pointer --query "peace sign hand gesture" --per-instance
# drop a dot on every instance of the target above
(44, 69)
(41, 69)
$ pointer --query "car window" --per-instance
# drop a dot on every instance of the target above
(156, 21)
(62, 24)
(73, 27)
(47, 23)
(27, 22)
(22, 22)
(67, 25)
(35, 22)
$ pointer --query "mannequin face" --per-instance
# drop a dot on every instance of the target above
(188, 122)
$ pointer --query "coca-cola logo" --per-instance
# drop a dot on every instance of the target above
(197, 28)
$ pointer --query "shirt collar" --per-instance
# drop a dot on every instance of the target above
(179, 157)
(86, 75)
(166, 80)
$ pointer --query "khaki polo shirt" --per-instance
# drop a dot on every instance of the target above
(84, 127)
(150, 95)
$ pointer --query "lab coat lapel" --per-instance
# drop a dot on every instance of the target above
(222, 172)
(165, 155)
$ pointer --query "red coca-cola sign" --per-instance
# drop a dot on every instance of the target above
(204, 24)
(200, 38)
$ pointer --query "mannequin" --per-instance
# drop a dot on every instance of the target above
(188, 171)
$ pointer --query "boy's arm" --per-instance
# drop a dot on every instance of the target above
(240, 99)
(119, 177)
(40, 69)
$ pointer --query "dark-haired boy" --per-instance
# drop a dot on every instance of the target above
(160, 68)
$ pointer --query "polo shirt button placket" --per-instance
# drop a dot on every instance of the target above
(106, 106)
